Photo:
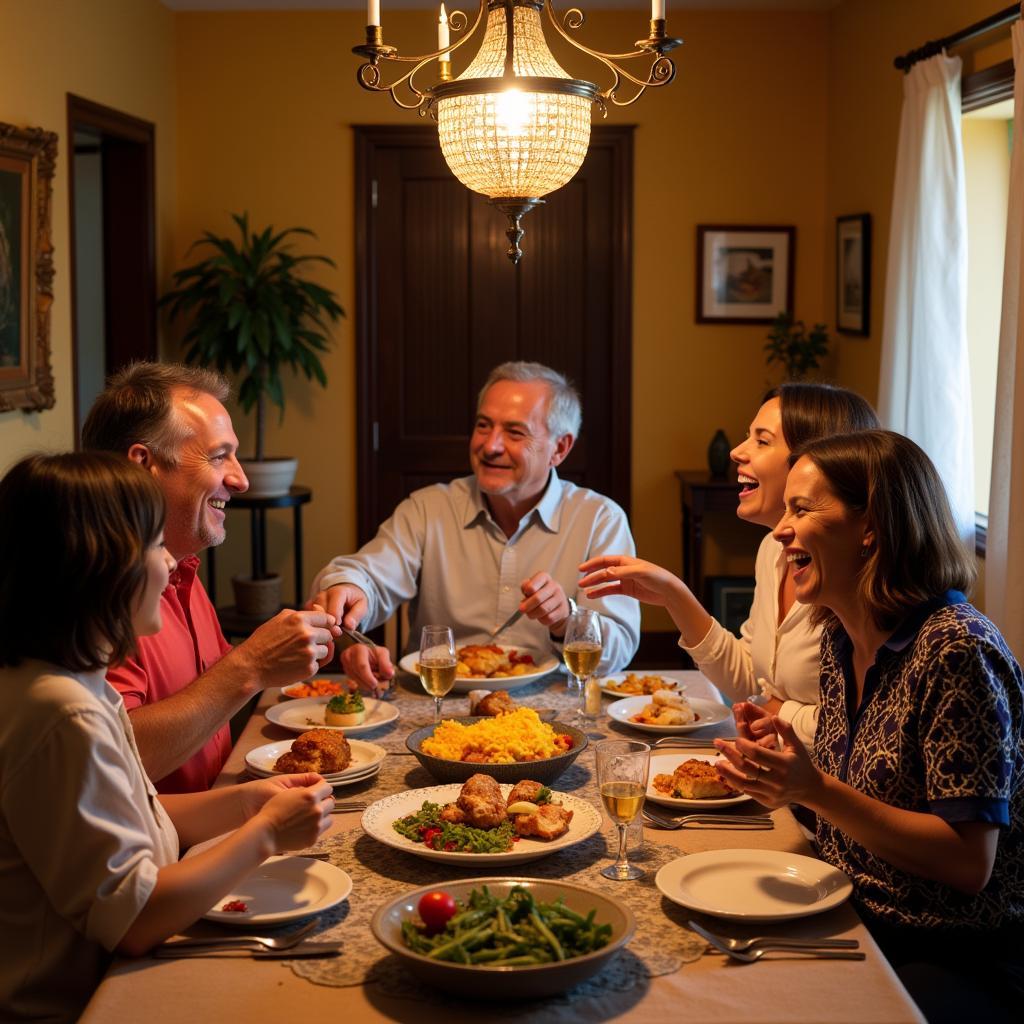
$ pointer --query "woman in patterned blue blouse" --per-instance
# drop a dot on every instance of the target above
(917, 775)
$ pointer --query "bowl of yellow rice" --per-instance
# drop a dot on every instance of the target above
(508, 747)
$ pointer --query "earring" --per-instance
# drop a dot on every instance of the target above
(865, 550)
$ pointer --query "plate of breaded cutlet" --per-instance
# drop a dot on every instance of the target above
(327, 751)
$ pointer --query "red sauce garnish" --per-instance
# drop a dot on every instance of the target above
(235, 907)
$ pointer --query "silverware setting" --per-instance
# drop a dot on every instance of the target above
(732, 947)
(692, 741)
(347, 806)
(241, 941)
(510, 621)
(303, 949)
(750, 822)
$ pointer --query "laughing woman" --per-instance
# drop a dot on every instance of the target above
(776, 653)
(918, 771)
(88, 851)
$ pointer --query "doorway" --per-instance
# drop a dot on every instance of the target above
(113, 245)
(439, 305)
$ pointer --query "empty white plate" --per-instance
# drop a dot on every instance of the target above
(753, 885)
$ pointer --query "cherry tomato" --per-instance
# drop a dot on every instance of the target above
(435, 908)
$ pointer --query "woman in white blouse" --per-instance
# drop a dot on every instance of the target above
(88, 850)
(776, 653)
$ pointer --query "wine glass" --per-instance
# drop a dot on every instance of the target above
(622, 767)
(581, 649)
(437, 664)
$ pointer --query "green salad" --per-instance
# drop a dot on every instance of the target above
(517, 931)
(426, 826)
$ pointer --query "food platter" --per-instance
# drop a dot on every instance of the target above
(366, 761)
(297, 691)
(753, 885)
(709, 712)
(665, 764)
(308, 713)
(378, 818)
(617, 677)
(283, 889)
(545, 664)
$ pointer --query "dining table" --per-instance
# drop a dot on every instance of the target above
(665, 973)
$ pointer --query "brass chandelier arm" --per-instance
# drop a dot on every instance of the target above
(661, 72)
(368, 75)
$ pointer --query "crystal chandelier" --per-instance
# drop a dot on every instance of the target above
(514, 125)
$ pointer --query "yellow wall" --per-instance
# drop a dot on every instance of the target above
(120, 53)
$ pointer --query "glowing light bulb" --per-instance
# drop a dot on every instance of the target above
(512, 111)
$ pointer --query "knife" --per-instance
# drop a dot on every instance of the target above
(510, 621)
(303, 949)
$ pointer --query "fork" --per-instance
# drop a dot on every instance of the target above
(345, 806)
(246, 941)
(726, 945)
(804, 954)
(690, 741)
(752, 821)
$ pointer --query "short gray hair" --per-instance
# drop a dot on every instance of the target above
(137, 407)
(564, 413)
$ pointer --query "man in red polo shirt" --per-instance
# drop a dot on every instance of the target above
(185, 683)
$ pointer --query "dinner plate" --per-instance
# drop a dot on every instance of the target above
(665, 764)
(308, 713)
(366, 759)
(545, 664)
(753, 885)
(379, 817)
(335, 781)
(618, 677)
(284, 889)
(708, 712)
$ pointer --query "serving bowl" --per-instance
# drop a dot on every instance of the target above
(484, 982)
(546, 770)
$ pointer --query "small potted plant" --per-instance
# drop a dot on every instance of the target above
(252, 312)
(799, 350)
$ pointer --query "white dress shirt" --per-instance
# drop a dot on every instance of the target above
(82, 835)
(443, 552)
(779, 659)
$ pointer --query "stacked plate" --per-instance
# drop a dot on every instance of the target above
(365, 763)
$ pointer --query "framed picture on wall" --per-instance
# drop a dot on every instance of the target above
(729, 600)
(853, 274)
(27, 160)
(744, 274)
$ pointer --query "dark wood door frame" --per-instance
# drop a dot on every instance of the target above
(129, 188)
(617, 139)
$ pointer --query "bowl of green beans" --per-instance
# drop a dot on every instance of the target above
(509, 938)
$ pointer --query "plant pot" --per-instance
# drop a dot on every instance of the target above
(259, 599)
(269, 478)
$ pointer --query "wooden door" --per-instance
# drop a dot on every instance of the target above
(440, 305)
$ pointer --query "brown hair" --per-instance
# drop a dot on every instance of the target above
(917, 553)
(76, 526)
(810, 411)
(137, 407)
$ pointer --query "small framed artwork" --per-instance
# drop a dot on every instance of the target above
(28, 158)
(729, 600)
(744, 274)
(853, 274)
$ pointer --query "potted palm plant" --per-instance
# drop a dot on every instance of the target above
(252, 312)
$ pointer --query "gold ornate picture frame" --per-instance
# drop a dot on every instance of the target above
(28, 158)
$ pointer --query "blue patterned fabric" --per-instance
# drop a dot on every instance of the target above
(940, 730)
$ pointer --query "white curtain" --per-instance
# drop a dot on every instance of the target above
(925, 390)
(1004, 561)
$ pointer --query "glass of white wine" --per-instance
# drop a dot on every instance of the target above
(582, 647)
(622, 767)
(437, 663)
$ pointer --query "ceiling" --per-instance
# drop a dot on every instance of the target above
(614, 5)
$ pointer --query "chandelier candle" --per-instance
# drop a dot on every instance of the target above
(514, 125)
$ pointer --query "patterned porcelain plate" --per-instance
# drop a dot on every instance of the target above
(379, 818)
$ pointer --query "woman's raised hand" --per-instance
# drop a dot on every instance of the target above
(773, 777)
(297, 817)
(632, 577)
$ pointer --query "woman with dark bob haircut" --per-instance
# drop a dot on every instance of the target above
(918, 770)
(776, 654)
(89, 851)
